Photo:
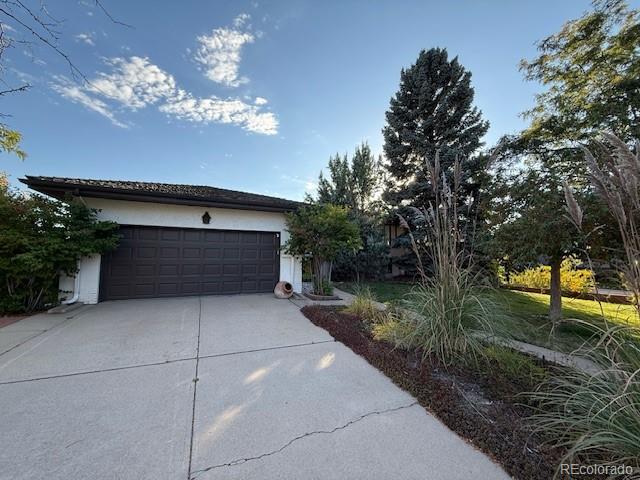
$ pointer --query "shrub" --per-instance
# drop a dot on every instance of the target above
(364, 306)
(326, 287)
(321, 232)
(572, 279)
(391, 328)
(41, 239)
(596, 416)
(372, 260)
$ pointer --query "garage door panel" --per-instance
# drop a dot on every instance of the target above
(145, 270)
(250, 237)
(191, 269)
(148, 234)
(250, 269)
(267, 269)
(267, 239)
(212, 253)
(123, 253)
(147, 252)
(231, 237)
(231, 286)
(168, 288)
(212, 269)
(121, 270)
(170, 234)
(215, 236)
(144, 289)
(264, 285)
(169, 270)
(211, 288)
(191, 252)
(231, 269)
(266, 254)
(161, 261)
(250, 253)
(169, 252)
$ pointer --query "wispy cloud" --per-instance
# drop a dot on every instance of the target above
(215, 110)
(77, 95)
(88, 38)
(136, 83)
(219, 54)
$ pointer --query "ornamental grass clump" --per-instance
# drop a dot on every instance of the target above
(596, 417)
(446, 314)
(364, 305)
(615, 177)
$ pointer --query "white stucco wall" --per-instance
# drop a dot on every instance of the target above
(156, 214)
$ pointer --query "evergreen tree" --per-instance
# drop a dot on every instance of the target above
(353, 183)
(432, 111)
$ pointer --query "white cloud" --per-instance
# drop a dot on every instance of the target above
(135, 83)
(241, 20)
(219, 53)
(76, 94)
(216, 110)
(88, 38)
(260, 101)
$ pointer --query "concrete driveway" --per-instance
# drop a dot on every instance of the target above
(220, 387)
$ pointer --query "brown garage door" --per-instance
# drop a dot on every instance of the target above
(170, 262)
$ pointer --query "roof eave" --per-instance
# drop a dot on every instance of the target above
(59, 191)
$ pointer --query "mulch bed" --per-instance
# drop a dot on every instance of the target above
(481, 409)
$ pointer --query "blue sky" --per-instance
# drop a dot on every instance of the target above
(252, 95)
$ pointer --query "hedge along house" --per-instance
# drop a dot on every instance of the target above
(179, 240)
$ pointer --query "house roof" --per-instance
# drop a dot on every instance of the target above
(199, 195)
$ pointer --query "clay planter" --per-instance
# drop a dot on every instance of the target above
(283, 290)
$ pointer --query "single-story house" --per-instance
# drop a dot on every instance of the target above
(179, 240)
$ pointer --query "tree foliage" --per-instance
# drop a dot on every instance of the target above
(40, 239)
(321, 232)
(10, 142)
(591, 69)
(351, 183)
(431, 112)
(354, 184)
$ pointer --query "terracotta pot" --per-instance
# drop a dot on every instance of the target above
(283, 290)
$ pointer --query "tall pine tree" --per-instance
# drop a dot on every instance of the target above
(432, 111)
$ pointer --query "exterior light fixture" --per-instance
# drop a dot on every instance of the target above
(206, 218)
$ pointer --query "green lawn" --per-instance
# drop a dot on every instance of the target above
(524, 314)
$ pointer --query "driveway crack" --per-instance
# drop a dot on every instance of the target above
(240, 461)
(195, 389)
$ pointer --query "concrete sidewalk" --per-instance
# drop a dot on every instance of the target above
(209, 387)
